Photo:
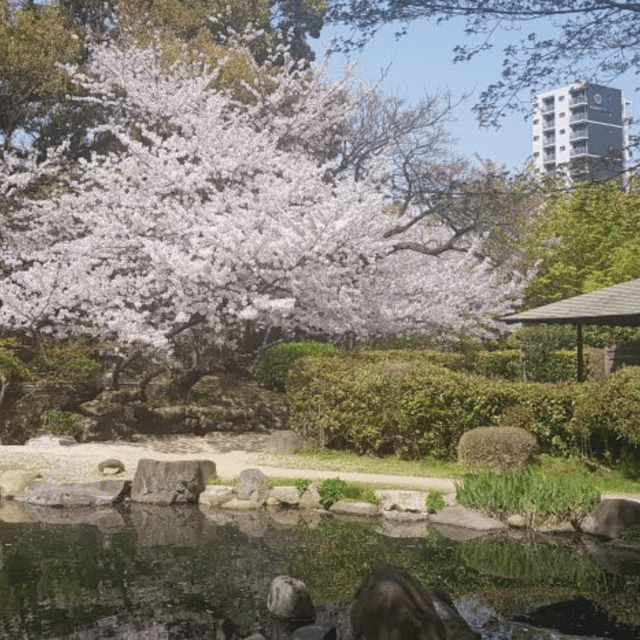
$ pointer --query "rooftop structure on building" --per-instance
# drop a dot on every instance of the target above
(581, 131)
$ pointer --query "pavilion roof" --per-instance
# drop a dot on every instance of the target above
(618, 305)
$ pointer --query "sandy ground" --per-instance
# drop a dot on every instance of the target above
(232, 453)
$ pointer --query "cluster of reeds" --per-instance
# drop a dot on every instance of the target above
(529, 493)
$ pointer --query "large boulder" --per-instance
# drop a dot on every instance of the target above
(611, 516)
(252, 486)
(14, 481)
(393, 604)
(285, 442)
(90, 494)
(289, 599)
(497, 447)
(171, 482)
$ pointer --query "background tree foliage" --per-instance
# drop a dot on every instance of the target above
(583, 241)
(37, 106)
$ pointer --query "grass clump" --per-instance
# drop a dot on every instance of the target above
(302, 484)
(333, 489)
(434, 501)
(530, 493)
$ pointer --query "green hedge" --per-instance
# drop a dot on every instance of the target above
(273, 365)
(400, 402)
(558, 366)
(609, 416)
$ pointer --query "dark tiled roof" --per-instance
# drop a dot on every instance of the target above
(616, 305)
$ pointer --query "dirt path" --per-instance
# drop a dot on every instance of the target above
(232, 454)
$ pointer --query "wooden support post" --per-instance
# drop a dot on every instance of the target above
(580, 354)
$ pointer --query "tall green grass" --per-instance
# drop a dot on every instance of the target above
(529, 493)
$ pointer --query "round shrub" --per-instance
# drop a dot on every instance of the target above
(273, 366)
(497, 447)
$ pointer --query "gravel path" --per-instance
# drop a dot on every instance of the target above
(232, 453)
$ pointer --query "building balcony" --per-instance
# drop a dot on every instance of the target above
(578, 98)
(575, 152)
(577, 134)
(578, 116)
(548, 124)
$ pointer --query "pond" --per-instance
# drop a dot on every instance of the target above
(143, 571)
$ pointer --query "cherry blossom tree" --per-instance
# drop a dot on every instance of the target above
(216, 213)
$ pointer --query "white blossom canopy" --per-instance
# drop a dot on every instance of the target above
(221, 213)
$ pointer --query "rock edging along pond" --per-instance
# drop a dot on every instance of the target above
(188, 481)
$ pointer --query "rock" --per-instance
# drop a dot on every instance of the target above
(459, 516)
(517, 521)
(287, 496)
(90, 494)
(15, 481)
(11, 511)
(252, 485)
(111, 466)
(285, 442)
(310, 499)
(354, 508)
(455, 625)
(290, 600)
(112, 417)
(215, 495)
(391, 500)
(497, 447)
(171, 482)
(315, 632)
(611, 516)
(392, 604)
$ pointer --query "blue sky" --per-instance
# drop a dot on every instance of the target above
(421, 62)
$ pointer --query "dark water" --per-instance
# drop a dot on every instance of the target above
(161, 572)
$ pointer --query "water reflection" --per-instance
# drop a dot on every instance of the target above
(145, 569)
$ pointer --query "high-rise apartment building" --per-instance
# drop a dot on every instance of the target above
(580, 131)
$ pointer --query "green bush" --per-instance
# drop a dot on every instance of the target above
(64, 362)
(434, 501)
(555, 366)
(331, 490)
(273, 366)
(61, 423)
(609, 416)
(398, 402)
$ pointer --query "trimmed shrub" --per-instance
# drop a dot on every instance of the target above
(273, 366)
(399, 403)
(497, 447)
(62, 423)
(608, 417)
(556, 366)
